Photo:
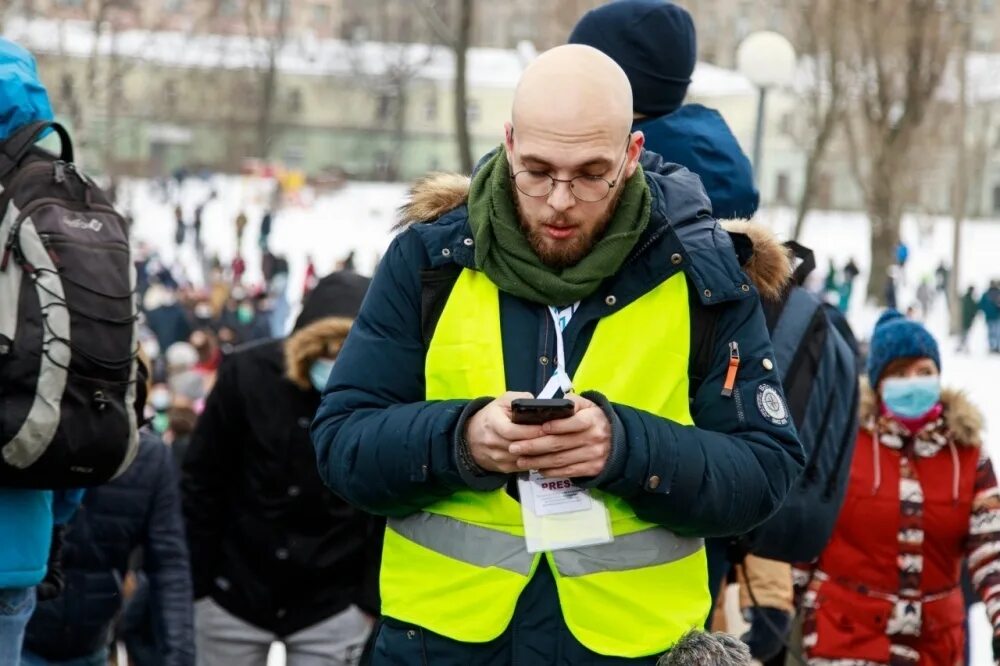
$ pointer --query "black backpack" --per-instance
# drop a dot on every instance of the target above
(817, 357)
(67, 322)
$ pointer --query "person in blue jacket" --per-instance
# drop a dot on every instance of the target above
(27, 517)
(654, 41)
(559, 260)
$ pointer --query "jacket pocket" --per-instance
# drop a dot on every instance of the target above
(398, 644)
(850, 625)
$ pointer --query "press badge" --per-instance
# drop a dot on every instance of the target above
(558, 514)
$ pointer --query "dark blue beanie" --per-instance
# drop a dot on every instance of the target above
(895, 337)
(653, 41)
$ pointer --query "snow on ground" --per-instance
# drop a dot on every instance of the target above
(360, 216)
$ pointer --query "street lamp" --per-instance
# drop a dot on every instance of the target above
(767, 59)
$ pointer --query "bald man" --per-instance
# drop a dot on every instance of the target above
(559, 384)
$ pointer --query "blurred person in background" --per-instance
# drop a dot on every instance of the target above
(851, 273)
(922, 498)
(140, 508)
(241, 227)
(275, 554)
(165, 316)
(970, 308)
(265, 229)
(180, 228)
(990, 305)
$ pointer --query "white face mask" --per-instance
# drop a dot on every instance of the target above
(319, 373)
(160, 399)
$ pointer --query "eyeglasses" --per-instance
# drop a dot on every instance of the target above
(588, 189)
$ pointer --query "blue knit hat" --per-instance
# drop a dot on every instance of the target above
(895, 337)
(23, 99)
(653, 41)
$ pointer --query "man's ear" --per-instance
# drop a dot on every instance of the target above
(508, 141)
(635, 146)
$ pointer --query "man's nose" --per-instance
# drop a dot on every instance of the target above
(561, 198)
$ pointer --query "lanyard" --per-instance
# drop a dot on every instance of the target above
(560, 379)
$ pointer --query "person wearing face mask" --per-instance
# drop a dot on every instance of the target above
(922, 498)
(275, 555)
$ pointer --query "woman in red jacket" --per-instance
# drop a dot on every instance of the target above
(922, 497)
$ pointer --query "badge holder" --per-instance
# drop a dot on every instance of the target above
(558, 514)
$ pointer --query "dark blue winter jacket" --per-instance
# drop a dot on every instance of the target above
(386, 449)
(698, 138)
(139, 508)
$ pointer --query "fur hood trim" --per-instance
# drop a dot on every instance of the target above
(770, 266)
(963, 419)
(322, 338)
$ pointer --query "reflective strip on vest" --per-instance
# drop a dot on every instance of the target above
(458, 567)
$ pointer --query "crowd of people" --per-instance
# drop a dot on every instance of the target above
(378, 483)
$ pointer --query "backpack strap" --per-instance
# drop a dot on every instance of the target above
(14, 149)
(435, 288)
(807, 261)
(704, 322)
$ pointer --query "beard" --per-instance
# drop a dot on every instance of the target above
(560, 254)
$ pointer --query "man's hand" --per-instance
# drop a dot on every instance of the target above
(490, 433)
(567, 448)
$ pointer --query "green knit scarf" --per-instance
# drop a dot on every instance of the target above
(505, 255)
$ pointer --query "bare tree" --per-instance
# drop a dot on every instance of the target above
(458, 40)
(399, 61)
(899, 51)
(822, 43)
(960, 188)
(267, 21)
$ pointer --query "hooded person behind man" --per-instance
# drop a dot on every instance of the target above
(274, 554)
(26, 516)
(655, 42)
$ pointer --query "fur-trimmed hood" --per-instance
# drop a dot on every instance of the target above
(964, 420)
(321, 339)
(769, 266)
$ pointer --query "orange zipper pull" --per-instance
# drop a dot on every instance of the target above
(734, 366)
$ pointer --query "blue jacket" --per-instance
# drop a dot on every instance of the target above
(698, 138)
(140, 508)
(26, 516)
(387, 450)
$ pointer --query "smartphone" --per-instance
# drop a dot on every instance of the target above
(531, 411)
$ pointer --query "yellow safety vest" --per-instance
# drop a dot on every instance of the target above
(458, 567)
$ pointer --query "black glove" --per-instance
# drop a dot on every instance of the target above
(54, 582)
(762, 640)
(996, 649)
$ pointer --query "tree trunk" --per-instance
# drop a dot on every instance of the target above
(269, 85)
(463, 37)
(960, 192)
(885, 215)
(809, 187)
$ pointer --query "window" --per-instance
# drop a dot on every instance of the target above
(294, 157)
(383, 107)
(170, 96)
(787, 124)
(782, 191)
(67, 87)
(229, 7)
(431, 109)
(986, 6)
(472, 114)
(273, 9)
(321, 16)
(996, 199)
(174, 6)
(295, 101)
(70, 3)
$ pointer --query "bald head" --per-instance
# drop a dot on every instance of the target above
(573, 90)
